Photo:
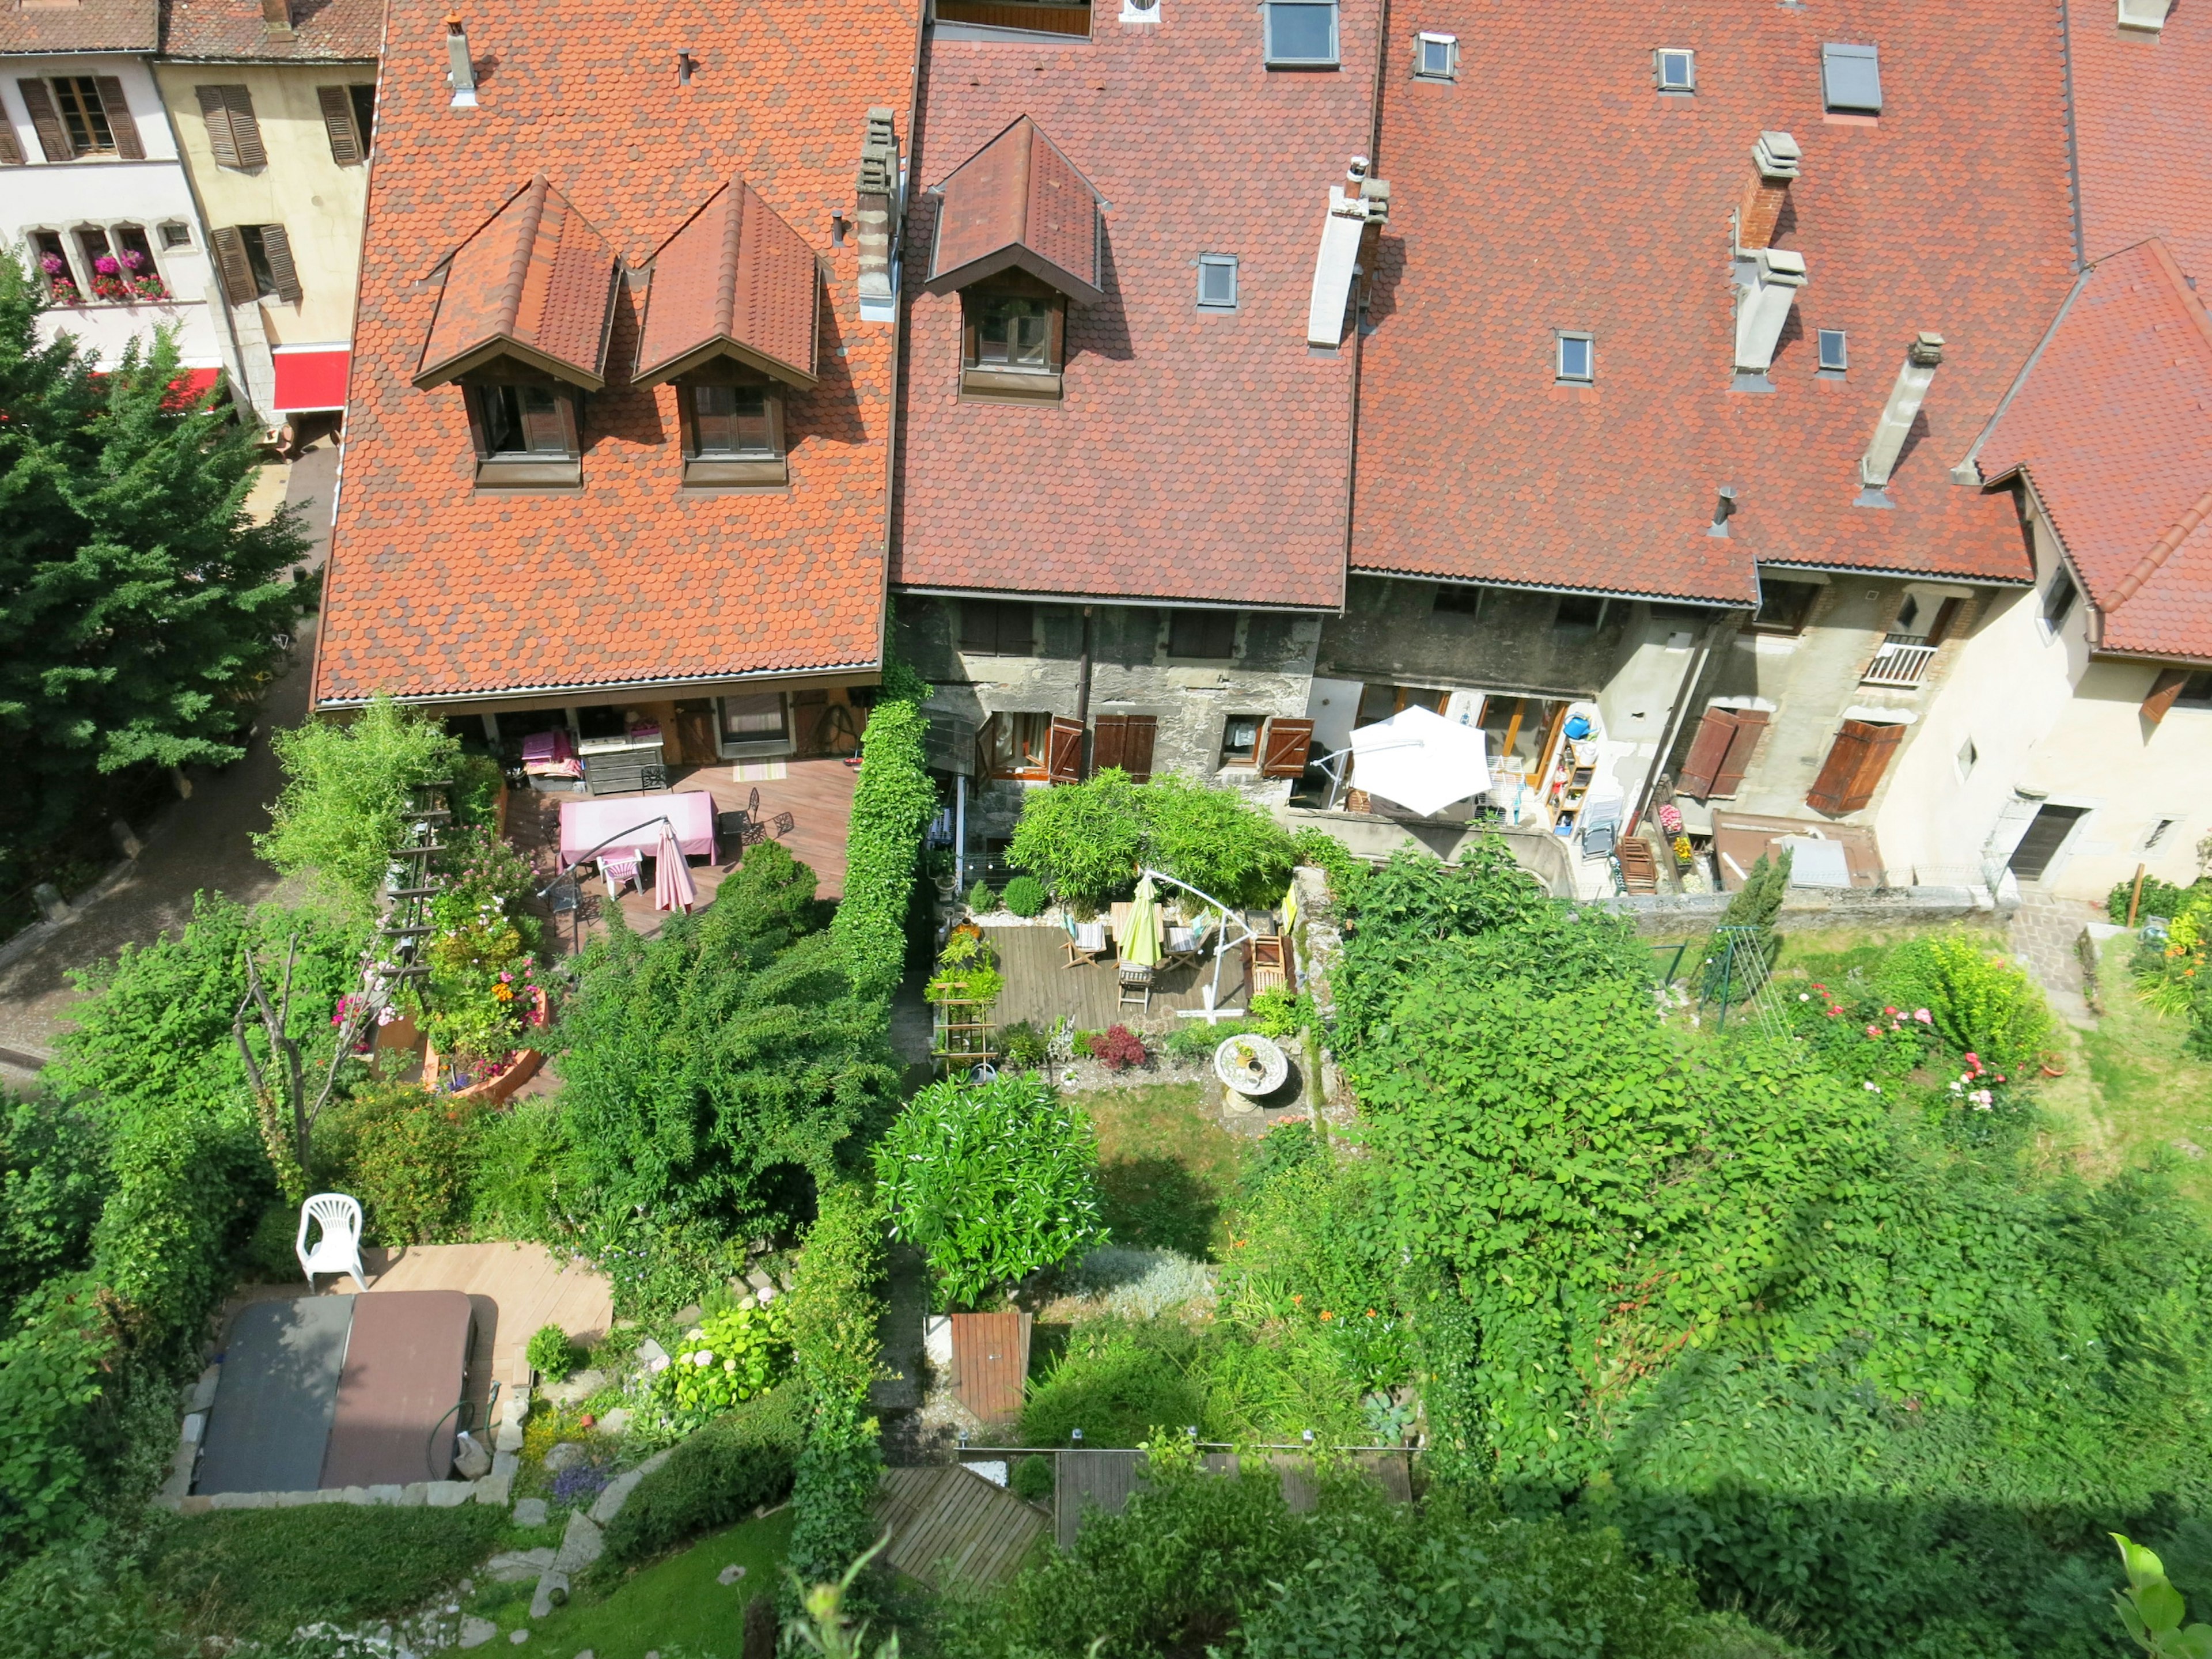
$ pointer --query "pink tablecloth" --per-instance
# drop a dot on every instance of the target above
(586, 823)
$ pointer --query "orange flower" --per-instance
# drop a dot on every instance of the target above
(1297, 1300)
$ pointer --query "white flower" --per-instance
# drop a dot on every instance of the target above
(1871, 1088)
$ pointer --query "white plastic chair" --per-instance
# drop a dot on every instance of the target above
(338, 1249)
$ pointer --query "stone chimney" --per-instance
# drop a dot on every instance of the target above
(1766, 287)
(879, 210)
(1774, 159)
(461, 73)
(1922, 358)
(277, 19)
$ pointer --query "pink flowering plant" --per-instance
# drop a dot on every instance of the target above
(61, 286)
(107, 282)
(485, 996)
(1857, 1031)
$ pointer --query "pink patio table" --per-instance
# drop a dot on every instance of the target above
(586, 823)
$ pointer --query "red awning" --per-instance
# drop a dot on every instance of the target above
(311, 379)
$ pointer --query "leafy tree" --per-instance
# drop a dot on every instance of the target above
(343, 810)
(1217, 841)
(1082, 839)
(990, 1182)
(139, 608)
(892, 805)
(53, 1177)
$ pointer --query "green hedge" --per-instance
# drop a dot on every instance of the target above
(892, 806)
(835, 1310)
(719, 1475)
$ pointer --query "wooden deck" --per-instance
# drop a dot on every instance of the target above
(818, 793)
(991, 1364)
(1041, 987)
(947, 1523)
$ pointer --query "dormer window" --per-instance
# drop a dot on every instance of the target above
(526, 433)
(732, 429)
(1014, 332)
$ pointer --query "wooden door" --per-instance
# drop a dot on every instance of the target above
(695, 743)
(2046, 834)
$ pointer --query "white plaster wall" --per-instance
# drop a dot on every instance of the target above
(100, 190)
(2048, 722)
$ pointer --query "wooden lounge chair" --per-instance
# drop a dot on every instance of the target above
(1086, 940)
(1271, 963)
(1136, 984)
(1639, 870)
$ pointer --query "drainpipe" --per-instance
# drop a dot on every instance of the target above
(1082, 691)
(960, 831)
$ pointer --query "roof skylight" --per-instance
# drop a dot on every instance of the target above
(1850, 79)
(1676, 68)
(1578, 359)
(1435, 57)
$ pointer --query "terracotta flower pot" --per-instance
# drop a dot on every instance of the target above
(2053, 1065)
(522, 1066)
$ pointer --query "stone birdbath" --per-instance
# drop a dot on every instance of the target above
(1249, 1066)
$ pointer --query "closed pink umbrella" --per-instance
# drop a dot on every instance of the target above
(672, 887)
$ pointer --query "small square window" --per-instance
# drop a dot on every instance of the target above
(1240, 741)
(1835, 354)
(2157, 833)
(735, 421)
(997, 628)
(519, 421)
(1217, 281)
(1967, 756)
(1202, 633)
(1783, 606)
(176, 235)
(1577, 358)
(1435, 57)
(1301, 35)
(1850, 79)
(1677, 68)
(2195, 691)
(1459, 599)
(2058, 601)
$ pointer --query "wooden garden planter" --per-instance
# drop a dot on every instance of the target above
(522, 1065)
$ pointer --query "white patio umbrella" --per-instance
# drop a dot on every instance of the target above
(1420, 760)
(673, 886)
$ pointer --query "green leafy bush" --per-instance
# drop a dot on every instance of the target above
(990, 1182)
(739, 1353)
(522, 1157)
(892, 805)
(1981, 1003)
(2159, 898)
(1023, 1047)
(342, 809)
(409, 1156)
(1195, 1044)
(53, 1178)
(734, 1465)
(834, 1309)
(1032, 1479)
(1279, 1011)
(981, 899)
(551, 1353)
(1025, 896)
(1084, 840)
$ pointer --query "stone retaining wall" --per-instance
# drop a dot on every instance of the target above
(1672, 915)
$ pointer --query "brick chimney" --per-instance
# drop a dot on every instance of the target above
(1775, 159)
(1922, 358)
(877, 212)
(277, 19)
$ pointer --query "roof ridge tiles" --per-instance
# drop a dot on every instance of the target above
(526, 244)
(2146, 567)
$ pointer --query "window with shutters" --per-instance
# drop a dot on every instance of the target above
(1240, 740)
(1203, 633)
(349, 117)
(1722, 752)
(1853, 770)
(363, 98)
(2195, 691)
(733, 432)
(1017, 745)
(998, 628)
(84, 115)
(1124, 741)
(1784, 607)
(234, 135)
(1013, 332)
(255, 262)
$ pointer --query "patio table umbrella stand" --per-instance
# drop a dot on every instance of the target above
(673, 886)
(1140, 947)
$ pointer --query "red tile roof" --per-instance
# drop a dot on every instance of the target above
(1552, 188)
(2113, 428)
(735, 280)
(534, 282)
(436, 588)
(323, 31)
(2139, 128)
(94, 25)
(1018, 203)
(1195, 455)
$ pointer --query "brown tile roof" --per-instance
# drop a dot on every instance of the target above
(94, 26)
(1018, 203)
(2139, 129)
(533, 282)
(437, 588)
(1195, 455)
(323, 31)
(1552, 188)
(735, 281)
(2113, 427)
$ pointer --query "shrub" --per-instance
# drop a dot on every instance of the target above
(521, 1156)
(835, 1310)
(1217, 841)
(345, 795)
(990, 1182)
(1118, 1380)
(1981, 1004)
(1023, 1047)
(1194, 1044)
(409, 1157)
(734, 1465)
(2160, 898)
(1084, 840)
(1025, 897)
(1117, 1047)
(551, 1354)
(1032, 1479)
(737, 1355)
(892, 805)
(53, 1177)
(1279, 1011)
(981, 900)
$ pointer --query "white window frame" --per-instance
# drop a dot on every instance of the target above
(1218, 262)
(1447, 44)
(1560, 337)
(1833, 51)
(1684, 89)
(1335, 57)
(1843, 363)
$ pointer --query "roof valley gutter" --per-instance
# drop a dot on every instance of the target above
(2073, 147)
(1973, 456)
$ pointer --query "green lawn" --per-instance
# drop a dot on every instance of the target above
(1167, 1172)
(674, 1606)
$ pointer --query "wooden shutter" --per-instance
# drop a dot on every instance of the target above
(232, 264)
(2163, 691)
(1109, 741)
(1708, 750)
(1063, 752)
(1137, 755)
(1750, 723)
(53, 136)
(277, 246)
(11, 153)
(119, 119)
(985, 735)
(337, 121)
(1283, 747)
(234, 135)
(1855, 765)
